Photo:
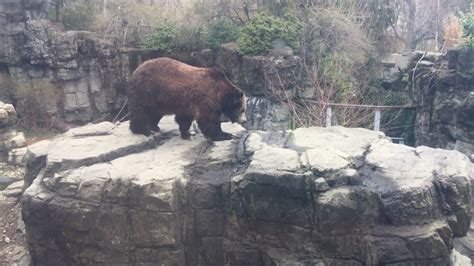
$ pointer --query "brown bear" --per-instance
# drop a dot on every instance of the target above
(164, 86)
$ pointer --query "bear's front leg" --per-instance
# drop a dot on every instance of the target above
(223, 136)
(212, 130)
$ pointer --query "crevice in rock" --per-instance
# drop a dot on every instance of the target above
(52, 168)
(33, 167)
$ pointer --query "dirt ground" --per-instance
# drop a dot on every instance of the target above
(13, 249)
(12, 229)
(12, 233)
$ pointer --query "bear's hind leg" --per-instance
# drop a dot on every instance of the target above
(184, 123)
(212, 130)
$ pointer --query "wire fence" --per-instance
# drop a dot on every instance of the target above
(377, 114)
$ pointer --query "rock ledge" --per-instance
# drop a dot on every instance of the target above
(336, 196)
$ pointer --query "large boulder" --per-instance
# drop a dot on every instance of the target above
(12, 142)
(268, 81)
(312, 196)
(445, 97)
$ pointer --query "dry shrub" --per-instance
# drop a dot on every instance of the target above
(128, 22)
(305, 112)
(332, 31)
(7, 88)
(37, 105)
(337, 55)
(452, 32)
(336, 50)
(145, 25)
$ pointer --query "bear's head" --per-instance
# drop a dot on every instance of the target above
(235, 107)
(234, 101)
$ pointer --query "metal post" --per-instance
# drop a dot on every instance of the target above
(328, 116)
(104, 8)
(377, 120)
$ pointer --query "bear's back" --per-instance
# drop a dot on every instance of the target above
(168, 68)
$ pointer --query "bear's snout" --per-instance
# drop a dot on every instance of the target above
(242, 118)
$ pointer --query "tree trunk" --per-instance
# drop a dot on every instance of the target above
(104, 8)
(411, 25)
(58, 10)
(439, 25)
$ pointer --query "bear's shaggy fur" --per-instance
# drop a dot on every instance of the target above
(165, 86)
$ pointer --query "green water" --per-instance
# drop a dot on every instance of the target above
(2, 187)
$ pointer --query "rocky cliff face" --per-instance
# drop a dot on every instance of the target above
(266, 80)
(337, 196)
(444, 92)
(84, 74)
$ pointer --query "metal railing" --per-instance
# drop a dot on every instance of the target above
(377, 113)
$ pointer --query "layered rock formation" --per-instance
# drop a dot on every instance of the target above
(444, 93)
(12, 142)
(337, 196)
(79, 76)
(267, 80)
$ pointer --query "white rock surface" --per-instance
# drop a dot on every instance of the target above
(331, 196)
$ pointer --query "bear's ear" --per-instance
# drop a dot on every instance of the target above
(238, 95)
(217, 74)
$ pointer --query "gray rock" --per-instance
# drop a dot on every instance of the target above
(425, 64)
(16, 156)
(460, 260)
(267, 80)
(445, 107)
(248, 201)
(466, 148)
(264, 114)
(320, 185)
(6, 180)
(90, 74)
(12, 142)
(13, 190)
(18, 255)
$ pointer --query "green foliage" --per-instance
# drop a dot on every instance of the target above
(163, 38)
(468, 29)
(79, 16)
(334, 72)
(258, 35)
(221, 31)
(397, 123)
(409, 131)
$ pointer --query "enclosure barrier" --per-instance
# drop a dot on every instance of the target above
(377, 113)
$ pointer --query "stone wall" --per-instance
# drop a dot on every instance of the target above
(12, 142)
(266, 80)
(444, 94)
(87, 75)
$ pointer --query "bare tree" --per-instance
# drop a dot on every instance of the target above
(58, 10)
(104, 8)
(411, 34)
(422, 21)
